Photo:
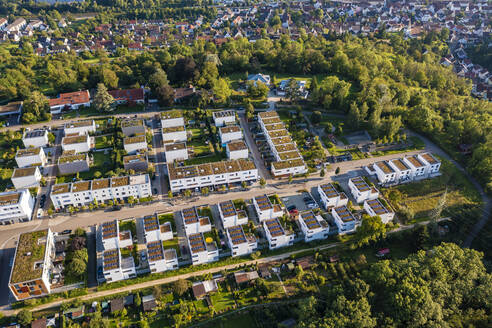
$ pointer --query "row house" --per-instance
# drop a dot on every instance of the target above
(153, 230)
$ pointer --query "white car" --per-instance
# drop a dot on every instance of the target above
(40, 213)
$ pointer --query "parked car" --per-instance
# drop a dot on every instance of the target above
(66, 232)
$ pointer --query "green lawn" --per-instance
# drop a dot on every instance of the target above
(86, 112)
(167, 217)
(172, 243)
(237, 320)
(222, 301)
(205, 159)
(103, 142)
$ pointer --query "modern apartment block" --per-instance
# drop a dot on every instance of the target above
(77, 143)
(79, 127)
(230, 216)
(201, 250)
(101, 190)
(224, 117)
(239, 242)
(132, 145)
(331, 197)
(361, 191)
(30, 275)
(288, 159)
(375, 208)
(26, 177)
(193, 223)
(265, 209)
(176, 151)
(385, 172)
(172, 118)
(276, 235)
(406, 169)
(236, 149)
(30, 157)
(138, 162)
(35, 138)
(132, 127)
(154, 231)
(174, 134)
(230, 133)
(159, 259)
(16, 206)
(211, 174)
(344, 219)
(313, 226)
(70, 162)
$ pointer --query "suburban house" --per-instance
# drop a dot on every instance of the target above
(101, 190)
(172, 118)
(375, 208)
(385, 172)
(237, 149)
(211, 174)
(283, 87)
(33, 264)
(344, 219)
(132, 127)
(242, 278)
(230, 216)
(255, 78)
(239, 242)
(361, 191)
(331, 197)
(79, 128)
(132, 145)
(161, 260)
(174, 134)
(193, 223)
(16, 206)
(313, 226)
(153, 231)
(230, 133)
(26, 177)
(77, 143)
(403, 171)
(71, 100)
(265, 209)
(35, 138)
(203, 288)
(129, 97)
(70, 162)
(201, 250)
(138, 162)
(16, 26)
(433, 164)
(276, 235)
(225, 117)
(176, 151)
(11, 109)
(30, 157)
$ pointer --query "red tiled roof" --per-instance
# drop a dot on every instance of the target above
(71, 98)
(128, 94)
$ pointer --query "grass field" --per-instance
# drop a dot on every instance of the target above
(204, 159)
(101, 143)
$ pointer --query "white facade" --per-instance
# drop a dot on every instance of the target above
(265, 209)
(176, 151)
(313, 226)
(433, 163)
(193, 223)
(27, 177)
(230, 133)
(229, 216)
(385, 172)
(79, 144)
(240, 243)
(276, 235)
(116, 268)
(30, 157)
(35, 138)
(79, 128)
(330, 197)
(202, 252)
(84, 192)
(418, 167)
(236, 150)
(174, 134)
(134, 144)
(153, 231)
(16, 206)
(171, 119)
(375, 208)
(361, 191)
(224, 117)
(211, 174)
(161, 260)
(344, 219)
(403, 171)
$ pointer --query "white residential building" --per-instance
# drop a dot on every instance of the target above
(313, 226)
(193, 223)
(230, 133)
(361, 191)
(111, 237)
(16, 206)
(71, 100)
(201, 251)
(224, 117)
(434, 164)
(133, 126)
(172, 118)
(77, 143)
(375, 208)
(237, 149)
(418, 167)
(35, 138)
(161, 260)
(344, 219)
(265, 209)
(154, 231)
(210, 174)
(101, 190)
(79, 127)
(30, 157)
(230, 216)
(255, 78)
(403, 171)
(276, 235)
(176, 151)
(240, 243)
(132, 145)
(26, 177)
(330, 197)
(174, 134)
(385, 172)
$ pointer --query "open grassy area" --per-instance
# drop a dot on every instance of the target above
(103, 142)
(222, 301)
(205, 159)
(86, 112)
(167, 217)
(172, 243)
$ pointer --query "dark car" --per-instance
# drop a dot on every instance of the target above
(66, 232)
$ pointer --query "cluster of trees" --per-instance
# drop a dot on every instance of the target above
(445, 287)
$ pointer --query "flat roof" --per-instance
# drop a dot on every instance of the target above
(329, 190)
(134, 140)
(278, 134)
(175, 146)
(282, 140)
(9, 198)
(429, 158)
(151, 223)
(400, 164)
(344, 213)
(11, 107)
(75, 140)
(310, 220)
(34, 134)
(81, 186)
(70, 158)
(377, 207)
(289, 155)
(227, 208)
(182, 172)
(360, 184)
(272, 120)
(236, 145)
(31, 249)
(268, 114)
(173, 129)
(120, 181)
(125, 123)
(197, 243)
(134, 158)
(385, 167)
(415, 161)
(100, 183)
(154, 251)
(60, 188)
(28, 152)
(230, 129)
(236, 234)
(190, 215)
(224, 113)
(109, 229)
(170, 114)
(111, 259)
(274, 127)
(285, 148)
(275, 228)
(24, 172)
(286, 164)
(79, 124)
(263, 202)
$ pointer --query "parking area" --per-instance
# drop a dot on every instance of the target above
(300, 202)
